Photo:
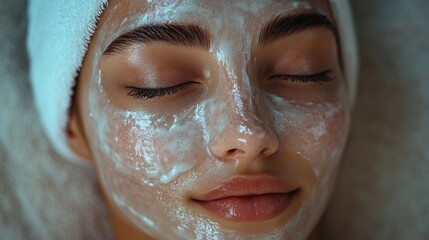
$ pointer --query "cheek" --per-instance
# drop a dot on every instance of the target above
(317, 133)
(151, 150)
(323, 138)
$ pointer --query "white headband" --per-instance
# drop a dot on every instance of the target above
(57, 42)
(344, 20)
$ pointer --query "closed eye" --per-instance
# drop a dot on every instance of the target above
(149, 93)
(319, 78)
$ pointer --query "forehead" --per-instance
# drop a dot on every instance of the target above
(245, 15)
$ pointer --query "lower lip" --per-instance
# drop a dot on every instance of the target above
(249, 208)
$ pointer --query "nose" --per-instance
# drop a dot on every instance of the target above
(241, 135)
(244, 143)
(238, 129)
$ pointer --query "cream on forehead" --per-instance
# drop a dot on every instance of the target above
(187, 11)
(170, 11)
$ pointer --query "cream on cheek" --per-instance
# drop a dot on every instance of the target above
(141, 155)
(156, 148)
(317, 132)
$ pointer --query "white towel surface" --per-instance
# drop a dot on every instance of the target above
(343, 14)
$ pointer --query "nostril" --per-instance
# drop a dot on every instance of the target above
(234, 152)
(233, 145)
(231, 151)
(267, 151)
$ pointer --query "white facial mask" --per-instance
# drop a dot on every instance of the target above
(151, 162)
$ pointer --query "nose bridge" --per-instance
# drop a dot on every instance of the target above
(241, 98)
(238, 93)
(240, 131)
(243, 110)
(238, 84)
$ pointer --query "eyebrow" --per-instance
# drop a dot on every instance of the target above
(283, 26)
(195, 36)
(174, 34)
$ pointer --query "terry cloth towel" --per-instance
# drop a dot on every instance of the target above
(58, 36)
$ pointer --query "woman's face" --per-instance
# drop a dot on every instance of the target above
(216, 119)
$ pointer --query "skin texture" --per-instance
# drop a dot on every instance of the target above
(234, 118)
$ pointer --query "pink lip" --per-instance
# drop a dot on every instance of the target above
(248, 199)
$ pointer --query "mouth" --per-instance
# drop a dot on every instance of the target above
(248, 199)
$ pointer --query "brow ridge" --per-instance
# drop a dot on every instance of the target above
(283, 26)
(174, 34)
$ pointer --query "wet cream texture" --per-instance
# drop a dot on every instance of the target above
(150, 163)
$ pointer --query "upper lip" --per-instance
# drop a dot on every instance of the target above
(243, 186)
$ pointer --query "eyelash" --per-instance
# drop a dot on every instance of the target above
(148, 93)
(318, 78)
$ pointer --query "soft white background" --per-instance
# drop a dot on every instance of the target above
(383, 185)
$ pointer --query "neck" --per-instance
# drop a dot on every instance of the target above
(316, 234)
(123, 229)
